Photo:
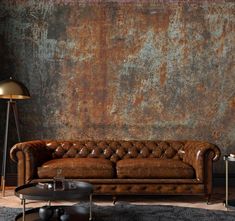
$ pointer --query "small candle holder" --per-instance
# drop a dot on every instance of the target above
(58, 181)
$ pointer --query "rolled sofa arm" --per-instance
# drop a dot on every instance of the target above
(29, 155)
(197, 153)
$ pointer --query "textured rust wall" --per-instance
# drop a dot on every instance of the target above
(117, 70)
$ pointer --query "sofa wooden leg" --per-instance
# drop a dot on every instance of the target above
(208, 197)
(114, 200)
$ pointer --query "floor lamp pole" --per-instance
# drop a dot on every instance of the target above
(11, 90)
(10, 104)
(16, 117)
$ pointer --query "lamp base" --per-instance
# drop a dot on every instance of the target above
(3, 186)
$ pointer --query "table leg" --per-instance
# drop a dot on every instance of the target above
(226, 183)
(23, 201)
(90, 216)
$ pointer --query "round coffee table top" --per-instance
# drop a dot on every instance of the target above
(73, 190)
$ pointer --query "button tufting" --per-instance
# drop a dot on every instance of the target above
(113, 187)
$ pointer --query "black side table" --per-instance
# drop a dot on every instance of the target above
(34, 191)
(229, 204)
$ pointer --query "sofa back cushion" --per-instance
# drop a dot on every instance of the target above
(77, 168)
(117, 150)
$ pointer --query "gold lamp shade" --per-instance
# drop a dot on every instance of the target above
(12, 89)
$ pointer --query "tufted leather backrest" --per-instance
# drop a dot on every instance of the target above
(117, 150)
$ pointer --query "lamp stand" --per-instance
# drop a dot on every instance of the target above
(10, 104)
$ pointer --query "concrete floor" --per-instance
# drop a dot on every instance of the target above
(183, 201)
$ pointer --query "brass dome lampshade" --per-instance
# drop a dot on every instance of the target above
(12, 90)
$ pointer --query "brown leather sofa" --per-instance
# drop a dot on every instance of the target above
(121, 167)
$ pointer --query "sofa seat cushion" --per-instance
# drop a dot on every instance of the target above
(77, 168)
(154, 168)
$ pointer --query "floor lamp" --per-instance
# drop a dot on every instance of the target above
(11, 90)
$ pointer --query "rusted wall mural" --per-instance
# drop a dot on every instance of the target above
(123, 70)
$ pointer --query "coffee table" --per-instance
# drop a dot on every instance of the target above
(74, 190)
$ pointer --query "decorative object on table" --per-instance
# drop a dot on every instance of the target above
(59, 181)
(47, 186)
(45, 212)
(71, 185)
(11, 90)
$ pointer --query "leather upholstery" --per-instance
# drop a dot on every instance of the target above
(117, 150)
(196, 154)
(154, 168)
(155, 189)
(77, 168)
